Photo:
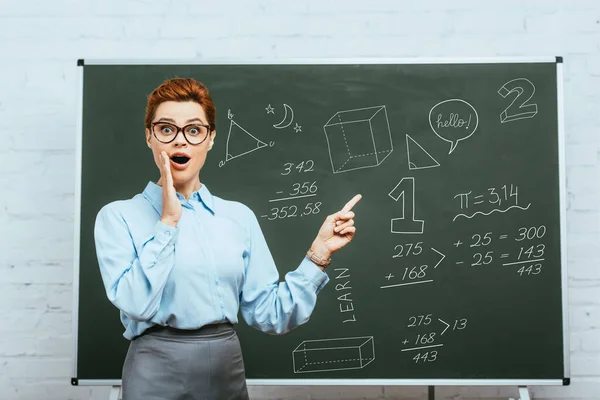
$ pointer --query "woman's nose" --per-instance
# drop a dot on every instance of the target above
(180, 139)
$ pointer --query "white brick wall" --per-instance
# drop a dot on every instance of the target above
(41, 40)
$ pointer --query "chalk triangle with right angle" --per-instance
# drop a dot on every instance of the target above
(240, 142)
(418, 157)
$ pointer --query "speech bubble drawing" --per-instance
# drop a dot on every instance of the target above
(453, 120)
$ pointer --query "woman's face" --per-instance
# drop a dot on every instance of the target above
(186, 159)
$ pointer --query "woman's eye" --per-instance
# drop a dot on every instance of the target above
(194, 130)
(167, 130)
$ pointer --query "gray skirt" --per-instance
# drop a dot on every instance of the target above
(173, 364)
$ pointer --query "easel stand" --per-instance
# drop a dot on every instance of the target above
(115, 393)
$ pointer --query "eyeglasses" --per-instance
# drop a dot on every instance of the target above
(165, 132)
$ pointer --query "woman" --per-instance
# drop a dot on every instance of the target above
(180, 263)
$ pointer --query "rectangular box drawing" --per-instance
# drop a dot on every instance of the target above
(358, 138)
(333, 354)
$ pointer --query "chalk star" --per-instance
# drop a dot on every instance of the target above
(270, 110)
(458, 243)
(390, 276)
(298, 128)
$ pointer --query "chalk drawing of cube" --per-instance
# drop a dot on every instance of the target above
(333, 354)
(358, 138)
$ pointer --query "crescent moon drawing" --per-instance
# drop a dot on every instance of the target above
(287, 118)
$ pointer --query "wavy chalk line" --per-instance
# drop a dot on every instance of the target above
(488, 213)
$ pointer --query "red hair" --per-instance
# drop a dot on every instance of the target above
(181, 89)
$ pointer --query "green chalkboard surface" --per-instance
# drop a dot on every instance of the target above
(457, 270)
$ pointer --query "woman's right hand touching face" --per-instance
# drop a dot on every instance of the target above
(171, 206)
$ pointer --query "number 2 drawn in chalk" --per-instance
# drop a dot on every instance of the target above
(523, 87)
(407, 223)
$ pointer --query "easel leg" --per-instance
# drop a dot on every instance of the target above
(524, 393)
(431, 395)
(115, 393)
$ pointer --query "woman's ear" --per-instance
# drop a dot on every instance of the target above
(212, 139)
(148, 137)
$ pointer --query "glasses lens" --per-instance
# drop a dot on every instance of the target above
(195, 133)
(164, 131)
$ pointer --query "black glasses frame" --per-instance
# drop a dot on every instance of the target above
(182, 130)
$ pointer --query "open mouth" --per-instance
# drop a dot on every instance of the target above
(180, 159)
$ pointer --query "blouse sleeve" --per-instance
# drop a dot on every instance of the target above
(134, 281)
(272, 306)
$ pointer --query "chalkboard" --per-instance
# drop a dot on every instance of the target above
(457, 271)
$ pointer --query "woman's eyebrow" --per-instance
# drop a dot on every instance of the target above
(167, 119)
(194, 119)
(171, 120)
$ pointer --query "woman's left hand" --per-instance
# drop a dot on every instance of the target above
(337, 231)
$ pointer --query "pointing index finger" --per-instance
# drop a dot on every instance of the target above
(351, 203)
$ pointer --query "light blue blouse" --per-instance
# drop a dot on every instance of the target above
(213, 264)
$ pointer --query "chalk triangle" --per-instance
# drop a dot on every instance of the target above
(240, 141)
(418, 157)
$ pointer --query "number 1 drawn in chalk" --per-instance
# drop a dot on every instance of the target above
(405, 189)
(522, 87)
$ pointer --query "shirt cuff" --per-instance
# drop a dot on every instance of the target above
(165, 233)
(313, 274)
